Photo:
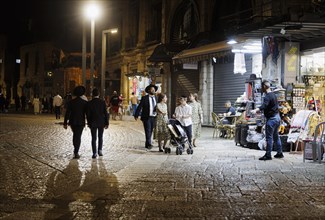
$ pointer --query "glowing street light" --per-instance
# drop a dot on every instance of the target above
(104, 32)
(92, 12)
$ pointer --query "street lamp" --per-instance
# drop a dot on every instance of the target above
(92, 12)
(104, 32)
(84, 52)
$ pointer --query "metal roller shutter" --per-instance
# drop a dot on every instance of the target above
(227, 85)
(184, 82)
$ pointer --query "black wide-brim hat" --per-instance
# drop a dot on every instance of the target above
(79, 91)
(151, 85)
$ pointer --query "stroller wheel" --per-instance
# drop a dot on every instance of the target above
(166, 150)
(179, 150)
(169, 150)
(189, 151)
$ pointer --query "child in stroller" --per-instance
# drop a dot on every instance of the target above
(178, 137)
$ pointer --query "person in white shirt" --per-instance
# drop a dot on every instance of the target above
(57, 102)
(183, 113)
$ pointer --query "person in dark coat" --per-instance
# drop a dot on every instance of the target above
(147, 107)
(17, 103)
(75, 117)
(97, 119)
(23, 101)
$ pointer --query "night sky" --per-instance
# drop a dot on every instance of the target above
(59, 21)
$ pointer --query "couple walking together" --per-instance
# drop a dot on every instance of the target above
(78, 109)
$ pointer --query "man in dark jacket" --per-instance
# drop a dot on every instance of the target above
(147, 107)
(270, 107)
(75, 116)
(97, 119)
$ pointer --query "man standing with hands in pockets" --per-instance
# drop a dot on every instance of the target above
(147, 107)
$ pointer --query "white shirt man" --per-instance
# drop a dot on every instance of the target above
(57, 102)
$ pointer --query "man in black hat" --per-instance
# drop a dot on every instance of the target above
(147, 107)
(75, 116)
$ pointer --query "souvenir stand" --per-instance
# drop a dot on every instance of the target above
(250, 130)
(247, 127)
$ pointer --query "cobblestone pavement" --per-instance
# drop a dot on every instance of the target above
(40, 180)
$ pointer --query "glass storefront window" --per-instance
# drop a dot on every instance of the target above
(313, 62)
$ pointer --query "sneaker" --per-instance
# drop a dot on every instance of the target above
(94, 156)
(76, 156)
(100, 153)
(279, 155)
(265, 158)
(149, 146)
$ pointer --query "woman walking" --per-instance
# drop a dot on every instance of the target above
(197, 116)
(161, 122)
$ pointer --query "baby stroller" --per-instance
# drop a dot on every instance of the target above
(178, 137)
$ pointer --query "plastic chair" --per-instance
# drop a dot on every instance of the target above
(318, 143)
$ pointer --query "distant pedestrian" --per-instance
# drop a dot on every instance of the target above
(134, 102)
(45, 105)
(98, 120)
(75, 117)
(115, 102)
(197, 117)
(57, 103)
(23, 101)
(51, 104)
(66, 99)
(17, 103)
(2, 103)
(36, 104)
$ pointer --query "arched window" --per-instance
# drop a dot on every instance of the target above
(185, 24)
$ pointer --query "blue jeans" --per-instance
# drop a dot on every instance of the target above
(272, 134)
(134, 108)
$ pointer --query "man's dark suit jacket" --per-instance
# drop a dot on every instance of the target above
(97, 116)
(144, 105)
(76, 112)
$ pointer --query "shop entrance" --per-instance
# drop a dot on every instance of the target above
(227, 85)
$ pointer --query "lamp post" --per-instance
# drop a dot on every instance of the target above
(92, 12)
(104, 39)
(84, 56)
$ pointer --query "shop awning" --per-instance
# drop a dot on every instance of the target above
(203, 53)
(160, 54)
(292, 31)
